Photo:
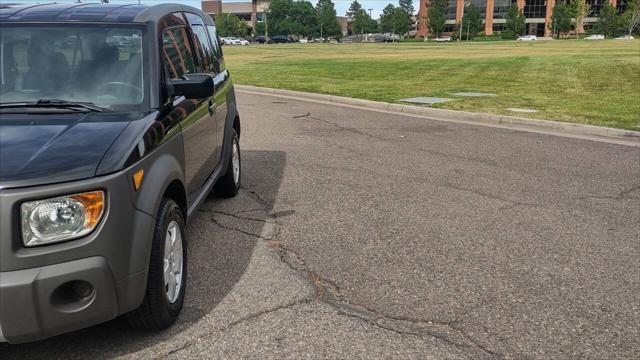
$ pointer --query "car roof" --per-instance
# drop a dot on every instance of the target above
(113, 13)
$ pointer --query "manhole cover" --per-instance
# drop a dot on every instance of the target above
(423, 100)
(522, 110)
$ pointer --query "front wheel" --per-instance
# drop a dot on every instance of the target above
(167, 278)
(229, 184)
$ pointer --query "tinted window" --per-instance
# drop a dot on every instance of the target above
(177, 54)
(206, 57)
(213, 35)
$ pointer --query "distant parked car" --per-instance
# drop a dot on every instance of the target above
(231, 41)
(280, 39)
(595, 37)
(443, 39)
(263, 40)
(304, 41)
(625, 37)
(527, 38)
(385, 39)
(235, 41)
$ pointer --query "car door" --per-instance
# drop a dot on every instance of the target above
(197, 120)
(209, 50)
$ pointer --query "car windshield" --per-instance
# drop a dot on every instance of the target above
(100, 65)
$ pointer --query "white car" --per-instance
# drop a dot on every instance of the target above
(625, 37)
(528, 38)
(235, 41)
(443, 39)
(595, 37)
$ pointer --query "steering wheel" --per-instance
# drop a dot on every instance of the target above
(119, 83)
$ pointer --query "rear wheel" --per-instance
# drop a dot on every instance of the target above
(229, 184)
(167, 279)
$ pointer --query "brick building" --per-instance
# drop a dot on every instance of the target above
(537, 12)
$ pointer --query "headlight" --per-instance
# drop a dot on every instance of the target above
(61, 218)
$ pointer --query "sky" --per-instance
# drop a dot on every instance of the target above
(341, 5)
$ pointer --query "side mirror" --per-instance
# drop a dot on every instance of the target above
(192, 86)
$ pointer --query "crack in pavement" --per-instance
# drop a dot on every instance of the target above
(328, 292)
(490, 196)
(265, 312)
(620, 196)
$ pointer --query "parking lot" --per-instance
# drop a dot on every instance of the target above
(368, 234)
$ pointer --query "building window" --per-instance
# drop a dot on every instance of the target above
(498, 27)
(451, 10)
(595, 6)
(501, 8)
(536, 9)
(481, 5)
(622, 6)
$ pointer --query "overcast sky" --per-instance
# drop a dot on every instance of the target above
(341, 5)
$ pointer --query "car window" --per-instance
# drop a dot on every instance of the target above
(206, 56)
(86, 63)
(177, 53)
(217, 50)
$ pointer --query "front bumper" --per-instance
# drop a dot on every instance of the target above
(39, 286)
(41, 302)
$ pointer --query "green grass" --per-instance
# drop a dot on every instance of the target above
(590, 82)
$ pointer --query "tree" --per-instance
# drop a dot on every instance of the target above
(437, 17)
(471, 23)
(231, 25)
(561, 19)
(327, 20)
(407, 6)
(261, 28)
(580, 11)
(394, 20)
(353, 10)
(607, 23)
(288, 17)
(515, 21)
(630, 19)
(363, 23)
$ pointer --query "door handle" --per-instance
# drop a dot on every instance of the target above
(212, 107)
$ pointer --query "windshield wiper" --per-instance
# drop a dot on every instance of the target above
(54, 103)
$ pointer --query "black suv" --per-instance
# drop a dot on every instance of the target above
(116, 121)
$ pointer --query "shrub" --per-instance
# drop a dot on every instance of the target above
(508, 35)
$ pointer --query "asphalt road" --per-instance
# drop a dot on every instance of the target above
(361, 234)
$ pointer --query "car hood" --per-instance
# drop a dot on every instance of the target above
(42, 149)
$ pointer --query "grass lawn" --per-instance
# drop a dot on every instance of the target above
(591, 82)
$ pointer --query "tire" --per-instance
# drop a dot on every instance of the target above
(229, 184)
(160, 307)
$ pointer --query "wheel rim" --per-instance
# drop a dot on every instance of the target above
(235, 162)
(173, 262)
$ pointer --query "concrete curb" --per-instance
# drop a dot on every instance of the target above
(617, 136)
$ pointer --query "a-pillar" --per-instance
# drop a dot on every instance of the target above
(488, 19)
(548, 30)
(422, 19)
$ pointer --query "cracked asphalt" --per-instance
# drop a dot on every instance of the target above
(361, 234)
